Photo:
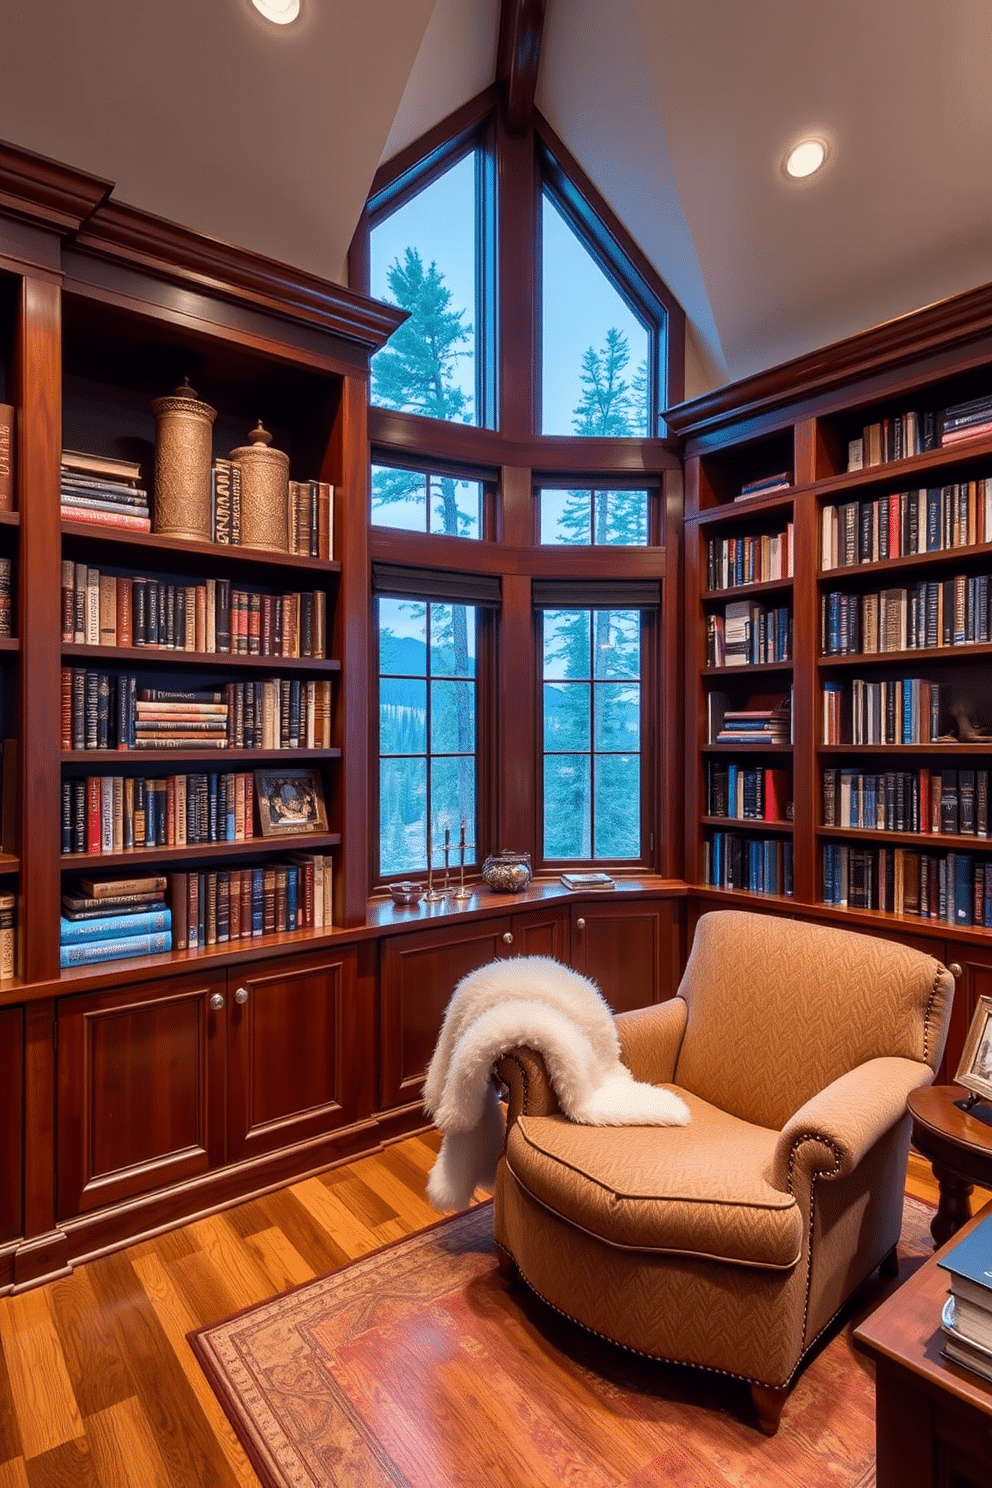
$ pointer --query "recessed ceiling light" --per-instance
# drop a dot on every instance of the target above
(805, 158)
(280, 12)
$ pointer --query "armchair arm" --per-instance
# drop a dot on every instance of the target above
(650, 1039)
(529, 1089)
(832, 1132)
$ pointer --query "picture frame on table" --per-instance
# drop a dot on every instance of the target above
(975, 1069)
(290, 802)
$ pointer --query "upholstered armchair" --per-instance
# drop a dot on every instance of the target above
(730, 1243)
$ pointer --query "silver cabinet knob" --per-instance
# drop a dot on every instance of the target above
(955, 969)
(580, 923)
(216, 1002)
(241, 996)
(508, 937)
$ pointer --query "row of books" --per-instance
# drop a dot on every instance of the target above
(108, 492)
(748, 633)
(949, 612)
(748, 792)
(891, 710)
(954, 887)
(309, 510)
(113, 919)
(761, 865)
(107, 710)
(113, 609)
(764, 485)
(966, 1317)
(104, 491)
(948, 802)
(761, 559)
(118, 813)
(911, 433)
(214, 908)
(764, 721)
(928, 520)
(893, 438)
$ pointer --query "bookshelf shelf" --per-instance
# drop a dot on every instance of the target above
(193, 555)
(117, 758)
(137, 657)
(202, 852)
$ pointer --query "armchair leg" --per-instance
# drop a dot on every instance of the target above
(507, 1267)
(768, 1404)
(889, 1268)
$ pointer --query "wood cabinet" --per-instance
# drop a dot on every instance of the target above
(162, 1083)
(631, 948)
(11, 1125)
(885, 504)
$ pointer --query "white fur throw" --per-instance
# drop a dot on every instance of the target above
(537, 1002)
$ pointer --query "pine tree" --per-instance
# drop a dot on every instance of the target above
(415, 371)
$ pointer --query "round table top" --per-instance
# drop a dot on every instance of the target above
(937, 1115)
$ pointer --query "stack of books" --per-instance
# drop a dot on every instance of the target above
(176, 722)
(95, 488)
(756, 725)
(765, 485)
(966, 420)
(966, 1321)
(106, 920)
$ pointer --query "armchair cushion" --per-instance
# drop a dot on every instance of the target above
(671, 1189)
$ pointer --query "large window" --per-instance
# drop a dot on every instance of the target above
(595, 350)
(426, 255)
(591, 725)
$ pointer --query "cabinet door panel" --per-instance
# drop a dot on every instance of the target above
(11, 1120)
(140, 1079)
(418, 976)
(623, 947)
(541, 933)
(974, 982)
(295, 1052)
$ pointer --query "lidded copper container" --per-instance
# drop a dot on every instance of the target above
(264, 493)
(183, 459)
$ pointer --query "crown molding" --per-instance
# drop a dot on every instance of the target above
(886, 347)
(45, 194)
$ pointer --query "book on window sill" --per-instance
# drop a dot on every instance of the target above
(588, 881)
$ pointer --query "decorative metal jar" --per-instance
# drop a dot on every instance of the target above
(507, 872)
(183, 460)
(264, 493)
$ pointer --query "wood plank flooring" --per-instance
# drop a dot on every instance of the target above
(98, 1386)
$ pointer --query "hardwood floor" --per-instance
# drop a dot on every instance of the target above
(98, 1386)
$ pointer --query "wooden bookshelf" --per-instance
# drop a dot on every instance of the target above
(802, 417)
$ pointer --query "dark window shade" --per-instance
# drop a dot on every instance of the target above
(436, 585)
(596, 594)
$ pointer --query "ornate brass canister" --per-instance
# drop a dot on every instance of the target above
(183, 458)
(264, 493)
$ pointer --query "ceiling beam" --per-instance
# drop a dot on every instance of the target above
(518, 60)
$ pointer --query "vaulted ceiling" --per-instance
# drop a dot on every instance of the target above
(680, 113)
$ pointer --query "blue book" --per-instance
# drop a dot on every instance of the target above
(969, 1262)
(963, 888)
(110, 927)
(292, 898)
(257, 901)
(88, 951)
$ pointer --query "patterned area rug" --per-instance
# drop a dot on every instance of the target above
(415, 1366)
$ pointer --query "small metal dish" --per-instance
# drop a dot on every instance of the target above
(406, 893)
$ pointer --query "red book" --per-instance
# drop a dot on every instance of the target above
(778, 791)
(7, 417)
(105, 518)
(93, 795)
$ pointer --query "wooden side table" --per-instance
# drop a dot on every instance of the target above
(959, 1146)
(933, 1419)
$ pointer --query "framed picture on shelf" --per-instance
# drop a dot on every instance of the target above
(975, 1069)
(290, 801)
